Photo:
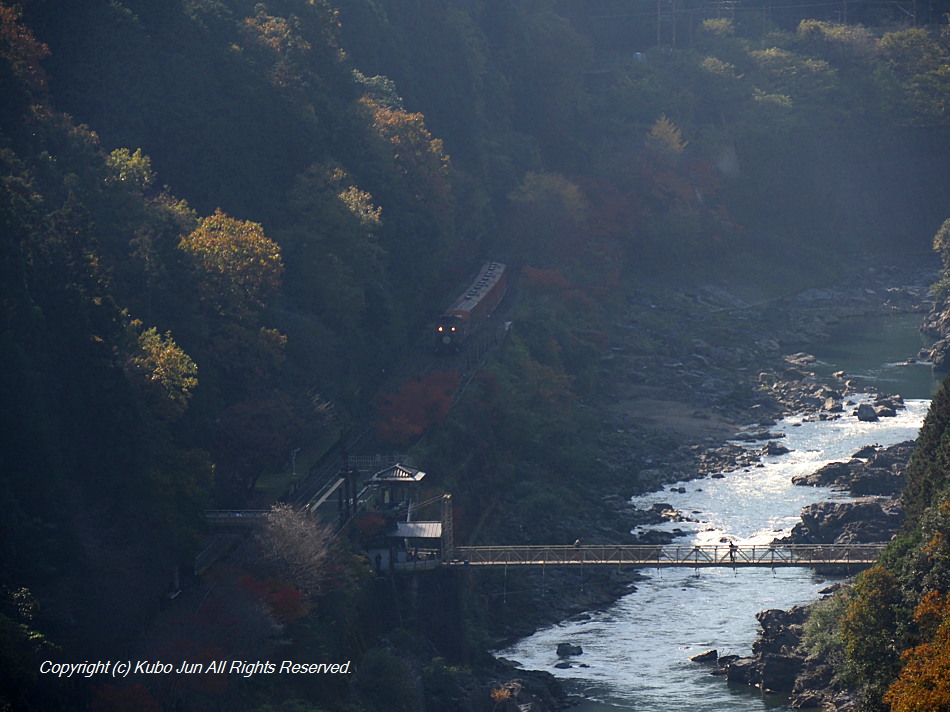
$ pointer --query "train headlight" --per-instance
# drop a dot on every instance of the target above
(441, 328)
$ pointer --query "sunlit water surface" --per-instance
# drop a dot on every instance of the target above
(636, 652)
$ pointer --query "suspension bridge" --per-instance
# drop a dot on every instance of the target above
(430, 544)
(652, 556)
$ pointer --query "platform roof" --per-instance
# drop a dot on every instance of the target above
(399, 473)
(418, 530)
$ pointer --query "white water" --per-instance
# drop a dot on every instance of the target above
(636, 652)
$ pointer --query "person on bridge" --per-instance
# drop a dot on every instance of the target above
(732, 552)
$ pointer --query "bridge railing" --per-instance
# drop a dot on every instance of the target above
(235, 517)
(670, 555)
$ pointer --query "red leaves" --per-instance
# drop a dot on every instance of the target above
(416, 405)
(283, 599)
(924, 682)
(369, 526)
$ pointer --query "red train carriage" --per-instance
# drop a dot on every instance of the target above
(469, 310)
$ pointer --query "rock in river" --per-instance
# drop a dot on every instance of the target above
(707, 657)
(566, 650)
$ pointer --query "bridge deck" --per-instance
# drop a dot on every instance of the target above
(655, 556)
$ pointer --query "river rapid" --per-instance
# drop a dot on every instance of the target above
(636, 652)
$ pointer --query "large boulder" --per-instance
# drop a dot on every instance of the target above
(871, 471)
(866, 413)
(709, 656)
(567, 650)
(773, 448)
(861, 521)
(831, 474)
(832, 405)
(777, 673)
(743, 670)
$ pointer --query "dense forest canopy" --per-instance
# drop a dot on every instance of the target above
(221, 221)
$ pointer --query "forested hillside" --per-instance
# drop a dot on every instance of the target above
(222, 222)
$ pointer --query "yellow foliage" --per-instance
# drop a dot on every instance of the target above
(719, 26)
(716, 66)
(240, 265)
(500, 694)
(667, 136)
(130, 168)
(360, 203)
(420, 157)
(167, 373)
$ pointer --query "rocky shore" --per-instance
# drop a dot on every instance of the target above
(936, 326)
(875, 476)
(779, 664)
(675, 412)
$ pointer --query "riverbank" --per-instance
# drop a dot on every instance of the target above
(724, 364)
(780, 664)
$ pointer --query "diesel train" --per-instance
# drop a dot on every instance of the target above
(474, 306)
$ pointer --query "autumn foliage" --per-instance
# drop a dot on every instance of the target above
(21, 49)
(416, 405)
(284, 600)
(924, 681)
(240, 266)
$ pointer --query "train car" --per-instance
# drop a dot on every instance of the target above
(474, 306)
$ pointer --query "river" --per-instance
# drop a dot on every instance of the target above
(636, 652)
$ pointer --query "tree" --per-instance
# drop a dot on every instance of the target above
(240, 267)
(298, 545)
(417, 405)
(924, 681)
(21, 49)
(165, 372)
(132, 169)
(805, 79)
(666, 136)
(252, 435)
(869, 630)
(928, 472)
(280, 38)
(911, 51)
(941, 243)
(418, 156)
(548, 222)
(333, 254)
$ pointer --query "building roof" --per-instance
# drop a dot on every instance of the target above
(418, 530)
(399, 473)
